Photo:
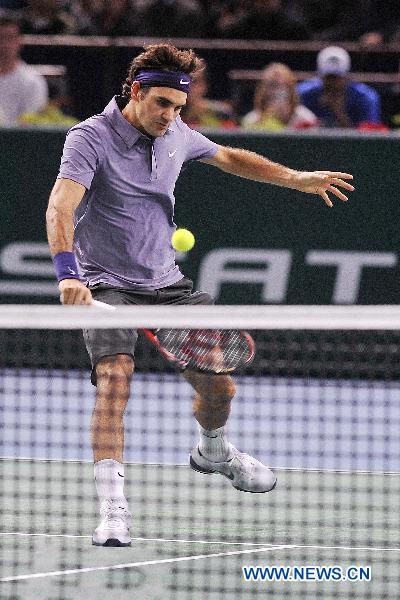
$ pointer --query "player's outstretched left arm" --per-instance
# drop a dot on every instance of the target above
(258, 168)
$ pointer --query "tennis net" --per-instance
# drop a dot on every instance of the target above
(319, 405)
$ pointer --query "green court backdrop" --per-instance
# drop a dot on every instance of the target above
(255, 243)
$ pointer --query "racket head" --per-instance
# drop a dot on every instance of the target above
(204, 350)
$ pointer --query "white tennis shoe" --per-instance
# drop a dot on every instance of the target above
(246, 473)
(113, 529)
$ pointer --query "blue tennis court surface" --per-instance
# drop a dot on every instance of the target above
(291, 423)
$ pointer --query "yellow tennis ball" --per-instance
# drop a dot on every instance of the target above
(183, 240)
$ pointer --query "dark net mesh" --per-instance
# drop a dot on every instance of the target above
(321, 408)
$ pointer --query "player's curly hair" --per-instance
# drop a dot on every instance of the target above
(162, 57)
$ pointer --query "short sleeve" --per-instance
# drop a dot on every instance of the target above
(81, 155)
(198, 146)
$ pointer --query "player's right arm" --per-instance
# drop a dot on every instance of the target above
(64, 199)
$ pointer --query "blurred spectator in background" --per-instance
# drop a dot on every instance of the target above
(371, 22)
(276, 103)
(172, 18)
(200, 111)
(258, 19)
(113, 18)
(382, 23)
(316, 14)
(225, 16)
(21, 88)
(58, 109)
(46, 17)
(87, 14)
(12, 4)
(334, 98)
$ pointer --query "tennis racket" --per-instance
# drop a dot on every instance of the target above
(205, 350)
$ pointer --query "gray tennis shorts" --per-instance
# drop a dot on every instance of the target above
(108, 342)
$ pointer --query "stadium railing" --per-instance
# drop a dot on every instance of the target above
(104, 60)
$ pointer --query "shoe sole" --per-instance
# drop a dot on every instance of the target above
(111, 542)
(199, 469)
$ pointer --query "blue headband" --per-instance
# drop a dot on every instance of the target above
(173, 79)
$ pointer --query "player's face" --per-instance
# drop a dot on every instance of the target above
(157, 108)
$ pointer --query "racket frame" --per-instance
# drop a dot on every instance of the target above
(178, 363)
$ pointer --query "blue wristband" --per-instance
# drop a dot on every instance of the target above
(65, 265)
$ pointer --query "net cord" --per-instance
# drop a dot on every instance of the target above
(326, 317)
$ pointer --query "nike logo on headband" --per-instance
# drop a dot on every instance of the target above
(182, 82)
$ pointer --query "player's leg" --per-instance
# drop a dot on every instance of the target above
(211, 408)
(214, 453)
(212, 402)
(113, 377)
(111, 353)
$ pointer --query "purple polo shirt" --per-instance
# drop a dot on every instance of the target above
(124, 223)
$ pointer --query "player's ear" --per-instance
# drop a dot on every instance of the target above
(135, 89)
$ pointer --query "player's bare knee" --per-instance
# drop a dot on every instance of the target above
(213, 388)
(217, 396)
(115, 370)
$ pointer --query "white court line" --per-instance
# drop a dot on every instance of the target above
(138, 564)
(186, 559)
(185, 465)
(138, 539)
(349, 548)
(168, 540)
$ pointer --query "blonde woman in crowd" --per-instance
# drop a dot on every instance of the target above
(276, 103)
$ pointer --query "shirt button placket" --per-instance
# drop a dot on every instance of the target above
(153, 174)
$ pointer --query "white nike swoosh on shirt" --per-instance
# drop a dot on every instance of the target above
(182, 82)
(171, 154)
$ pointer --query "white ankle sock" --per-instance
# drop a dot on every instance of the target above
(109, 478)
(214, 444)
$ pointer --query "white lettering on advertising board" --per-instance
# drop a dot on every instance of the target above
(32, 271)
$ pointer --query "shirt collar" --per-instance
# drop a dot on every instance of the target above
(124, 129)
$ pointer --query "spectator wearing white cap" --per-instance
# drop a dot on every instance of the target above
(334, 98)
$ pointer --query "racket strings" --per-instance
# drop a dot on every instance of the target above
(211, 350)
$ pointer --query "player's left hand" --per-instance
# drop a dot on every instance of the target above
(322, 182)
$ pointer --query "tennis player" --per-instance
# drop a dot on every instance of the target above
(109, 224)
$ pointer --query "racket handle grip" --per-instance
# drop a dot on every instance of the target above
(102, 305)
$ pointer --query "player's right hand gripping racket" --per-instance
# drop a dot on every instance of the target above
(205, 350)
